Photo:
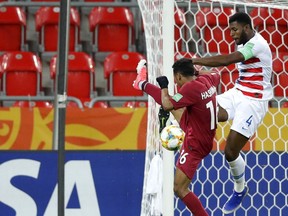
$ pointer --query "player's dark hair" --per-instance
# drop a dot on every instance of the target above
(185, 67)
(242, 18)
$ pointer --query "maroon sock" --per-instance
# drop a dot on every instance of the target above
(154, 92)
(194, 205)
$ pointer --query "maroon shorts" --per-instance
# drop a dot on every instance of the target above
(191, 154)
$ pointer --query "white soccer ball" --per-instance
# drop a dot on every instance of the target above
(172, 137)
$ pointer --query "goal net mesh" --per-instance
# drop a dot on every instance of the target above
(201, 29)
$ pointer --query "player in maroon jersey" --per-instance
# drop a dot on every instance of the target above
(194, 107)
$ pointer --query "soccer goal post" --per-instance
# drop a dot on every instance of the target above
(187, 28)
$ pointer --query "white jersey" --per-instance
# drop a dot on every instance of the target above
(255, 72)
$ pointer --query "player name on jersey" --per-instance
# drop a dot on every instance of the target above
(208, 93)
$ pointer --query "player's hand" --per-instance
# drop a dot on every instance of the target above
(141, 64)
(162, 81)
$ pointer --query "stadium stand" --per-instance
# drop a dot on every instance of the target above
(210, 25)
(120, 72)
(12, 29)
(272, 25)
(81, 77)
(112, 30)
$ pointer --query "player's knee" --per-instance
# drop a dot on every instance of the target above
(230, 154)
(179, 190)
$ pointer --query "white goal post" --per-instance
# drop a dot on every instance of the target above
(190, 28)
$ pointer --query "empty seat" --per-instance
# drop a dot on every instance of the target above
(12, 29)
(280, 62)
(112, 29)
(21, 74)
(80, 80)
(29, 104)
(179, 30)
(136, 104)
(281, 84)
(213, 26)
(120, 72)
(228, 77)
(271, 23)
(47, 24)
(81, 75)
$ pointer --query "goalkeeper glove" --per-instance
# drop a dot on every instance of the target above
(162, 81)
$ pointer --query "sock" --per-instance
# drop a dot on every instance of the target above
(194, 205)
(237, 168)
(153, 91)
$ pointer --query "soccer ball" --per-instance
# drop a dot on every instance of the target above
(172, 137)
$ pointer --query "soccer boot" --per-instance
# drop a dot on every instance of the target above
(163, 118)
(235, 201)
(141, 74)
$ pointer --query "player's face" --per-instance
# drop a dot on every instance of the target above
(237, 32)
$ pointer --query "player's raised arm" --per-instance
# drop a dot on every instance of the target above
(219, 60)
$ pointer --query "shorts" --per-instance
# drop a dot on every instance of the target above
(190, 157)
(247, 113)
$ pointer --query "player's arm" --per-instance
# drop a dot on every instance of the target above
(165, 97)
(219, 60)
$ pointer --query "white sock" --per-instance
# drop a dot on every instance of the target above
(237, 168)
(140, 84)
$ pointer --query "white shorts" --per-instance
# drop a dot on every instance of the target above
(247, 113)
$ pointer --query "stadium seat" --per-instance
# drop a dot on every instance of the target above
(81, 76)
(47, 20)
(281, 84)
(228, 76)
(112, 29)
(179, 29)
(29, 104)
(280, 62)
(285, 105)
(135, 104)
(212, 25)
(120, 72)
(12, 29)
(272, 25)
(21, 74)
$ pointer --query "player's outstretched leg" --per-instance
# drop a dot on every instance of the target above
(235, 201)
(141, 74)
(163, 118)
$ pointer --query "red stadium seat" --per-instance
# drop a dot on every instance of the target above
(47, 20)
(29, 104)
(120, 72)
(280, 62)
(285, 105)
(12, 29)
(228, 76)
(80, 80)
(21, 74)
(135, 104)
(213, 26)
(179, 29)
(281, 84)
(112, 28)
(272, 25)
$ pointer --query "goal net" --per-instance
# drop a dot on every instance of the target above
(175, 29)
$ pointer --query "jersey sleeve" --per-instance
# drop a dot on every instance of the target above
(250, 50)
(187, 96)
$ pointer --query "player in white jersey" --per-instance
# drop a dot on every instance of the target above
(247, 103)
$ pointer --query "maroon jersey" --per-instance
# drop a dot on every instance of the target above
(199, 118)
